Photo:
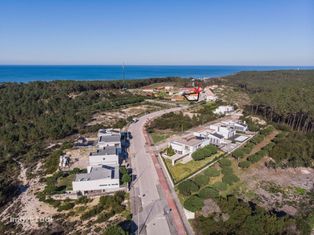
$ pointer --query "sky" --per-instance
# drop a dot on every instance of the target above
(150, 32)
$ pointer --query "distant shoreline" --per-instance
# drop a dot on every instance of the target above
(29, 73)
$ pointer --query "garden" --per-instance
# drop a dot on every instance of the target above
(181, 171)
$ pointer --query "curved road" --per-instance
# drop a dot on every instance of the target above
(150, 197)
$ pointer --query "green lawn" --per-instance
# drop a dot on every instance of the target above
(181, 171)
(157, 137)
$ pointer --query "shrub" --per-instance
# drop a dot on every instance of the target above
(187, 187)
(255, 157)
(114, 230)
(269, 146)
(244, 164)
(257, 139)
(220, 186)
(66, 206)
(227, 170)
(267, 130)
(224, 162)
(170, 151)
(82, 200)
(239, 153)
(212, 172)
(208, 192)
(201, 180)
(230, 179)
(193, 203)
(123, 170)
(204, 152)
(126, 178)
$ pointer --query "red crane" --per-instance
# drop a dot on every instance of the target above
(195, 92)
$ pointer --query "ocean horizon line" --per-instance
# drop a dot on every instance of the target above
(179, 65)
(28, 73)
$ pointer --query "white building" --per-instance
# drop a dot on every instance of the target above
(211, 137)
(226, 131)
(97, 180)
(224, 109)
(187, 145)
(238, 126)
(113, 140)
(108, 156)
(109, 131)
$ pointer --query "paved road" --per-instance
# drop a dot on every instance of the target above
(149, 199)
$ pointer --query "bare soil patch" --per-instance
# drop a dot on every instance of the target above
(283, 189)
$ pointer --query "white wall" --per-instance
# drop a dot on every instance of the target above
(101, 184)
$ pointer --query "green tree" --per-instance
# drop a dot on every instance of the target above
(208, 192)
(193, 203)
(201, 180)
(126, 178)
(212, 172)
(187, 187)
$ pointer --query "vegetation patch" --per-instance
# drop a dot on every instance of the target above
(204, 152)
(181, 171)
(193, 203)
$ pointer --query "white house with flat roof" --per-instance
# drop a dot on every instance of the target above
(188, 144)
(223, 109)
(237, 125)
(226, 131)
(211, 136)
(97, 180)
(113, 140)
(108, 156)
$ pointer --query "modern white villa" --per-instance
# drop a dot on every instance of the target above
(225, 130)
(187, 145)
(223, 109)
(222, 134)
(238, 126)
(97, 180)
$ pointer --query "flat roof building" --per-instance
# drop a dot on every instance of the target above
(107, 156)
(97, 179)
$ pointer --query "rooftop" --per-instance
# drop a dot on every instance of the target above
(109, 150)
(100, 172)
(189, 140)
(110, 138)
(217, 135)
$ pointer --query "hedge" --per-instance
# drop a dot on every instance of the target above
(193, 203)
(257, 156)
(204, 152)
(187, 187)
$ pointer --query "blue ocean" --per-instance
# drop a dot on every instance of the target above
(25, 73)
